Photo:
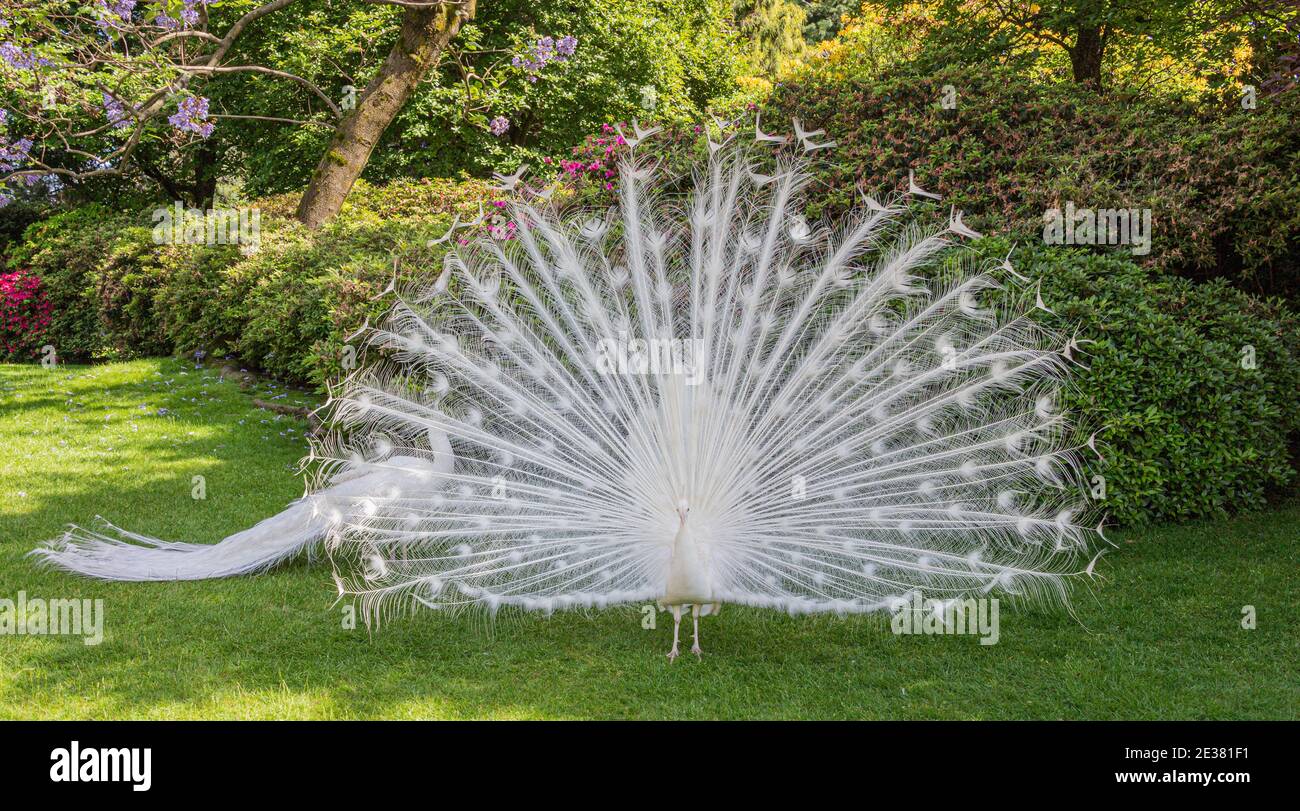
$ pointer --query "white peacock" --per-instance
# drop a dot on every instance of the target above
(690, 399)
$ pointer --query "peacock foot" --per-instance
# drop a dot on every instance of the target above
(672, 655)
(695, 649)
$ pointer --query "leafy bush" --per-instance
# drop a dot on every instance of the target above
(67, 251)
(102, 271)
(24, 314)
(285, 309)
(1191, 387)
(294, 303)
(14, 219)
(1221, 183)
(423, 199)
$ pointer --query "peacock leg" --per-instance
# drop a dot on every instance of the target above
(677, 623)
(695, 615)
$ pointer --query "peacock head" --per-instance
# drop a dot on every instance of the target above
(683, 509)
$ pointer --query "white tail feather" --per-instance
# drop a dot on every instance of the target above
(844, 416)
(116, 554)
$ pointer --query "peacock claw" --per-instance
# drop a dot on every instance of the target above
(699, 654)
(672, 655)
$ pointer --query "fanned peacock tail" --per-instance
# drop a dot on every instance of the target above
(848, 417)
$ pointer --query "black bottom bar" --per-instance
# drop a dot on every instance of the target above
(333, 760)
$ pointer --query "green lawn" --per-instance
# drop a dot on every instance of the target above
(1162, 638)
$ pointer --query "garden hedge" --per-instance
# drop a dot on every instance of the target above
(1187, 428)
(1222, 182)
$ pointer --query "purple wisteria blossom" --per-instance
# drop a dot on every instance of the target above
(499, 125)
(543, 53)
(190, 14)
(13, 155)
(116, 112)
(191, 116)
(16, 57)
(119, 8)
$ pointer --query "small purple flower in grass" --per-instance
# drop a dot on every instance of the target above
(499, 125)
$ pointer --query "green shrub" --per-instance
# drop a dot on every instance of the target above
(303, 294)
(195, 311)
(67, 250)
(103, 272)
(14, 220)
(1221, 183)
(127, 280)
(1191, 387)
(428, 198)
(284, 309)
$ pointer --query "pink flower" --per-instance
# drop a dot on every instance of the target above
(24, 312)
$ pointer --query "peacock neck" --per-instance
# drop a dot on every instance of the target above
(688, 573)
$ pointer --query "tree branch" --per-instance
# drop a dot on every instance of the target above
(269, 72)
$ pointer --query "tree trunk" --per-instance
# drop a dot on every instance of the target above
(206, 172)
(425, 33)
(1085, 56)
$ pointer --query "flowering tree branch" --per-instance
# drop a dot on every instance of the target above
(120, 61)
(89, 84)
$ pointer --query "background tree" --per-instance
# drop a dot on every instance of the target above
(823, 17)
(773, 30)
(137, 63)
(1098, 37)
(345, 86)
(426, 31)
(664, 60)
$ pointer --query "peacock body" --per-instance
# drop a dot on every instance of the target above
(694, 399)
